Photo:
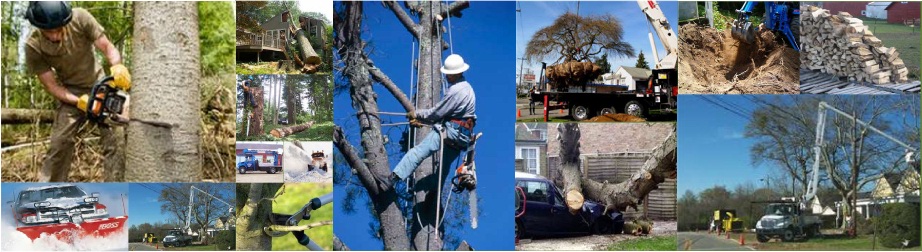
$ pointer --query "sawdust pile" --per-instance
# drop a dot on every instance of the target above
(713, 62)
(616, 118)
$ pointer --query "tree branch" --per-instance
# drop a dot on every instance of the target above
(352, 157)
(299, 228)
(404, 18)
(338, 244)
(455, 8)
(382, 78)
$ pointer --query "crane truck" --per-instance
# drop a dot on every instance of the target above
(659, 93)
(789, 219)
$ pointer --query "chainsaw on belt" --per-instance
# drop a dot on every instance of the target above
(108, 104)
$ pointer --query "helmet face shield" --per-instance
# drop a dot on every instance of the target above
(49, 15)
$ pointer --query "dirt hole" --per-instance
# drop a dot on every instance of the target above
(713, 61)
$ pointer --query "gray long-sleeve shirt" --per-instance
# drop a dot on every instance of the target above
(459, 102)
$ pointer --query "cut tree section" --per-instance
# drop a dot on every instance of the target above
(287, 131)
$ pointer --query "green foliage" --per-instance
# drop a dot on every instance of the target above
(657, 243)
(899, 222)
(226, 240)
(291, 199)
(642, 62)
(216, 26)
(602, 62)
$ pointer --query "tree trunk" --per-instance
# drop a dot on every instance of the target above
(286, 131)
(252, 216)
(166, 74)
(290, 102)
(256, 113)
(660, 166)
(392, 221)
(305, 57)
(27, 116)
(569, 166)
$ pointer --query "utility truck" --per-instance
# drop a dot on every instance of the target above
(260, 160)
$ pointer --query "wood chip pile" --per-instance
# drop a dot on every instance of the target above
(843, 46)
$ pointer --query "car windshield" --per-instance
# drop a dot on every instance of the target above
(779, 209)
(51, 193)
(174, 233)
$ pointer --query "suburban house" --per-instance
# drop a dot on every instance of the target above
(269, 43)
(531, 148)
(613, 153)
(903, 13)
(891, 188)
(225, 223)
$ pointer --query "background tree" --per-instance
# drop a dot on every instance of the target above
(254, 206)
(642, 61)
(166, 62)
(358, 76)
(578, 38)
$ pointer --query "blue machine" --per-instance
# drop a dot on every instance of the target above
(251, 163)
(780, 17)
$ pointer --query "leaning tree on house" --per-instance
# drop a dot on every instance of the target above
(361, 74)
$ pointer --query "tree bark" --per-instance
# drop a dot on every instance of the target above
(286, 131)
(253, 216)
(364, 100)
(166, 74)
(338, 244)
(26, 116)
(660, 166)
(290, 101)
(256, 113)
(569, 165)
(304, 52)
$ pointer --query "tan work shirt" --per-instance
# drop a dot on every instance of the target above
(73, 58)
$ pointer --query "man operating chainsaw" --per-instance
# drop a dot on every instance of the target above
(60, 52)
(453, 115)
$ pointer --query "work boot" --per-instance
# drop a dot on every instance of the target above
(386, 182)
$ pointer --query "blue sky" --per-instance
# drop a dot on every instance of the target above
(478, 36)
(109, 195)
(146, 207)
(537, 15)
(713, 149)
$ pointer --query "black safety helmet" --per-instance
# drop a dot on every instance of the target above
(49, 15)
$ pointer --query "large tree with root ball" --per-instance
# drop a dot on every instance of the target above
(578, 38)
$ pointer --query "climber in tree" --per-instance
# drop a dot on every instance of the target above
(453, 115)
(61, 53)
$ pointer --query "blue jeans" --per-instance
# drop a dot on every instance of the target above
(430, 146)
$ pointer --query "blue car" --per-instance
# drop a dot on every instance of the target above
(543, 213)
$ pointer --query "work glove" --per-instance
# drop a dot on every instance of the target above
(82, 102)
(122, 77)
(416, 123)
(411, 115)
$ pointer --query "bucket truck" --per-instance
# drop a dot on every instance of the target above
(791, 220)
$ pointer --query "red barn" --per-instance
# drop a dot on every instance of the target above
(854, 8)
(899, 12)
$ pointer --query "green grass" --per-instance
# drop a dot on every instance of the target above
(656, 243)
(864, 242)
(906, 40)
(320, 131)
(294, 197)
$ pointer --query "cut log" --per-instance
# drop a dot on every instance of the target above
(618, 197)
(26, 116)
(305, 54)
(286, 131)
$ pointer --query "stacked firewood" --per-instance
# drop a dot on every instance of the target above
(843, 46)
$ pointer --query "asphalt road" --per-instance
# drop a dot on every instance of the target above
(141, 247)
(521, 106)
(260, 177)
(705, 241)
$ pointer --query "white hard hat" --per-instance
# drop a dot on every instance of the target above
(454, 64)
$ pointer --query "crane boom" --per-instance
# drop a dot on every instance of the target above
(818, 144)
(192, 190)
(664, 31)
